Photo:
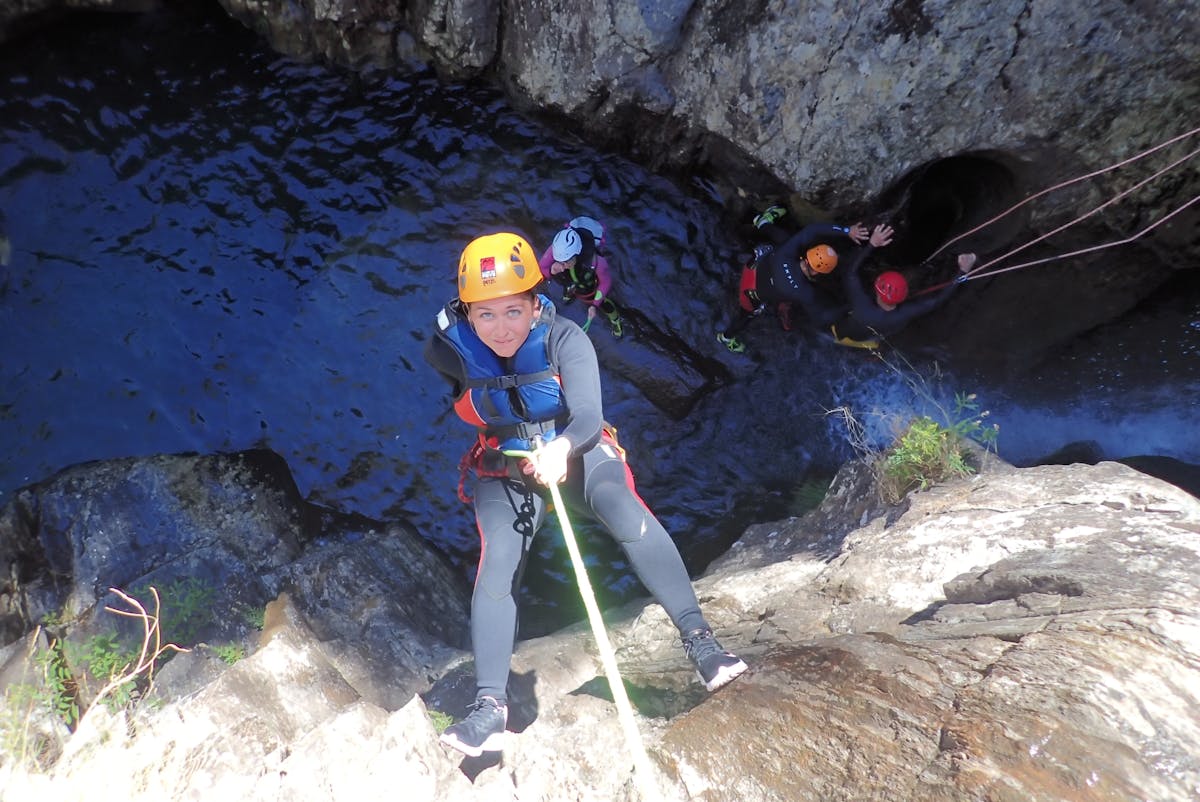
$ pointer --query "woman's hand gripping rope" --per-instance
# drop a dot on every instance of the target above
(547, 463)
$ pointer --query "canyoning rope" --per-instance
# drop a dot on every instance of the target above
(975, 273)
(981, 270)
(1081, 251)
(1067, 183)
(642, 775)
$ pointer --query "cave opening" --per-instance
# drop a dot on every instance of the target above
(942, 199)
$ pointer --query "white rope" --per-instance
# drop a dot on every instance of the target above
(642, 774)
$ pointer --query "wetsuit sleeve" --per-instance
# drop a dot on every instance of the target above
(572, 354)
(821, 307)
(867, 315)
(862, 301)
(545, 262)
(913, 308)
(851, 280)
(603, 279)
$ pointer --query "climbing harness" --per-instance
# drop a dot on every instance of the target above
(473, 461)
(642, 772)
(981, 270)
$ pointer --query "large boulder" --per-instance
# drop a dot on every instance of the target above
(1022, 634)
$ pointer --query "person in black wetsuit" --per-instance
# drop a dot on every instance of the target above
(885, 309)
(786, 275)
(522, 376)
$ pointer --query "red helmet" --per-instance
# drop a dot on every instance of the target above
(891, 287)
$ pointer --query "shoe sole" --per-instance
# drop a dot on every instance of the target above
(725, 675)
(494, 743)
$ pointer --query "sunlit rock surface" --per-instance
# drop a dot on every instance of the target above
(1024, 634)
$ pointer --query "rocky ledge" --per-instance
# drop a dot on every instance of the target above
(1025, 634)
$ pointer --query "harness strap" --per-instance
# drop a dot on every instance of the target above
(525, 430)
(472, 460)
(511, 381)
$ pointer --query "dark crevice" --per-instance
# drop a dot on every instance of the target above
(945, 198)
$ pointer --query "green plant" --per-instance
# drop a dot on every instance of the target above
(141, 667)
(186, 607)
(61, 690)
(967, 421)
(440, 720)
(928, 452)
(230, 652)
(927, 448)
(53, 619)
(104, 658)
(808, 495)
(254, 616)
(924, 454)
(18, 740)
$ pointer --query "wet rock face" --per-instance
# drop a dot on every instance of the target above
(219, 536)
(147, 521)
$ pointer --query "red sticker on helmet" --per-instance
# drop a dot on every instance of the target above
(487, 269)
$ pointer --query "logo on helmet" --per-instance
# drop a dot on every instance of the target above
(487, 269)
(891, 287)
(566, 244)
(495, 266)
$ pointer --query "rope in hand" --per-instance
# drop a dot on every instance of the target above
(641, 761)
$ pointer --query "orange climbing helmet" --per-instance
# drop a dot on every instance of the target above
(821, 258)
(891, 287)
(496, 266)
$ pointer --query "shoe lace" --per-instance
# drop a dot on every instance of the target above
(700, 644)
(480, 705)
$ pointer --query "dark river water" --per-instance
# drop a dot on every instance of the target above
(215, 248)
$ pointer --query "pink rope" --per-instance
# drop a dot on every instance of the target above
(1082, 251)
(1107, 203)
(1076, 180)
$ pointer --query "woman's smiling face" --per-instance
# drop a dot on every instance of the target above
(503, 324)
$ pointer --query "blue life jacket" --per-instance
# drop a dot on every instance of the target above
(508, 400)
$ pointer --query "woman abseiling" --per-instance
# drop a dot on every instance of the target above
(520, 375)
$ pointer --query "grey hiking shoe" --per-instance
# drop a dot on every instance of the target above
(481, 731)
(715, 666)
